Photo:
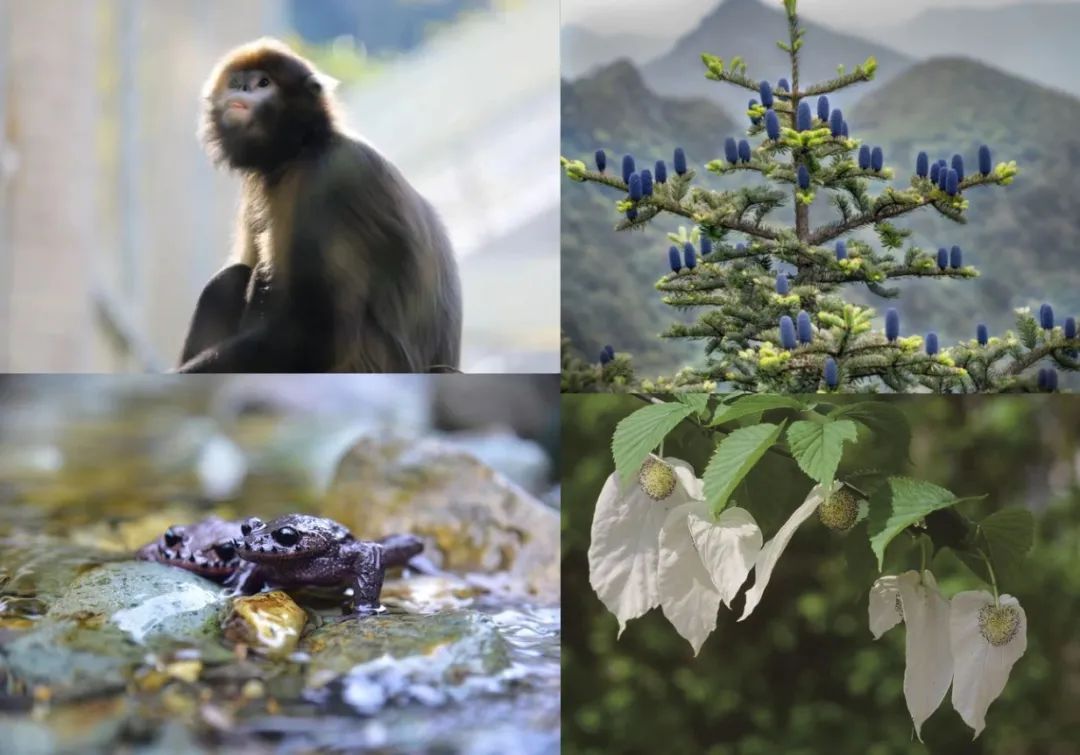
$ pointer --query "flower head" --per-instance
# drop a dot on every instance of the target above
(601, 160)
(731, 150)
(839, 511)
(680, 161)
(892, 325)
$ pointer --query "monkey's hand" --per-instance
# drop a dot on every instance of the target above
(218, 311)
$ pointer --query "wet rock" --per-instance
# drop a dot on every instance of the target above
(476, 520)
(108, 622)
(470, 641)
(146, 600)
(40, 568)
(523, 461)
(402, 658)
(270, 623)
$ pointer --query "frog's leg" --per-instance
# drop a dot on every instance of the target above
(368, 573)
(247, 580)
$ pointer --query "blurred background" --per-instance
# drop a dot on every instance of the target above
(112, 218)
(952, 74)
(803, 675)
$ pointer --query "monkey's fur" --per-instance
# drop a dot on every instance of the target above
(340, 264)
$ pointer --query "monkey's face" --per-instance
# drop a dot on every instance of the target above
(261, 115)
(244, 103)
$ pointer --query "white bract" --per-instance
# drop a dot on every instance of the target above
(987, 638)
(624, 553)
(687, 595)
(924, 610)
(728, 547)
(772, 550)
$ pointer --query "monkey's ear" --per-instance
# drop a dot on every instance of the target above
(319, 83)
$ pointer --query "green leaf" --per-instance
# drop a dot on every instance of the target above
(1009, 535)
(819, 446)
(899, 505)
(887, 422)
(641, 432)
(755, 404)
(699, 402)
(735, 456)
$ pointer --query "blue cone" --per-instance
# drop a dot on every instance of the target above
(787, 333)
(892, 325)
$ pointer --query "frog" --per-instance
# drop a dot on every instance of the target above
(206, 548)
(303, 550)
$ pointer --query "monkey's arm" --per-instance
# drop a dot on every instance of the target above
(218, 311)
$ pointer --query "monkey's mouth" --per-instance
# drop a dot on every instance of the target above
(236, 114)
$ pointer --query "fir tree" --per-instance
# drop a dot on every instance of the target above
(761, 274)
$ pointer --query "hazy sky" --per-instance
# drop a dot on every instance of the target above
(646, 16)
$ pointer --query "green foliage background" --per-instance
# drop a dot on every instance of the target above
(803, 673)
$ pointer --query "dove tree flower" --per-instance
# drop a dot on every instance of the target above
(971, 643)
(987, 637)
(625, 550)
(915, 599)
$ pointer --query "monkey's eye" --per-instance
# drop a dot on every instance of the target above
(264, 82)
(286, 536)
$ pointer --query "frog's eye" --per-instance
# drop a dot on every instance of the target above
(225, 551)
(173, 537)
(286, 536)
(251, 523)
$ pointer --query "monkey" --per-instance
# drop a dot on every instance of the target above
(339, 264)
